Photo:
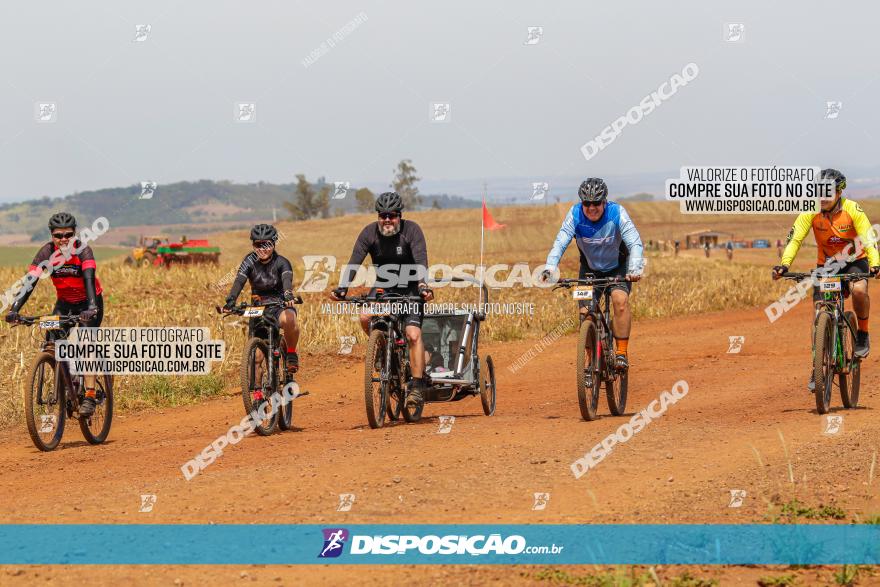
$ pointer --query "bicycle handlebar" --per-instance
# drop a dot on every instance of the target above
(597, 281)
(841, 276)
(239, 309)
(63, 320)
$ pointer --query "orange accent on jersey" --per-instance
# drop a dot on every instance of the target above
(833, 234)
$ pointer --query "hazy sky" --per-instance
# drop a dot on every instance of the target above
(164, 108)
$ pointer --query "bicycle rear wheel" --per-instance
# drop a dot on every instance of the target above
(96, 427)
(255, 385)
(849, 382)
(285, 411)
(396, 392)
(376, 378)
(44, 404)
(823, 361)
(588, 370)
(615, 391)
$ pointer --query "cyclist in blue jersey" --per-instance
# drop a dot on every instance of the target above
(609, 246)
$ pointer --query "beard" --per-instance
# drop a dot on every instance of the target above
(390, 230)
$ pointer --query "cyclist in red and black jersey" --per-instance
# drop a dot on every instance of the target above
(77, 288)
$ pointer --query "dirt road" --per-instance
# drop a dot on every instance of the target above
(747, 423)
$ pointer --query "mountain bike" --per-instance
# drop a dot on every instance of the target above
(54, 394)
(596, 361)
(264, 368)
(834, 339)
(386, 364)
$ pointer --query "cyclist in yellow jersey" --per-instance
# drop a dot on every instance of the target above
(843, 231)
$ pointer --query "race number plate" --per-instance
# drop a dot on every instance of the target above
(252, 312)
(50, 323)
(582, 293)
(829, 285)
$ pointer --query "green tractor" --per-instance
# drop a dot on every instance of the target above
(156, 250)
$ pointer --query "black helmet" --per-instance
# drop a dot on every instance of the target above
(264, 232)
(593, 189)
(838, 177)
(389, 202)
(62, 220)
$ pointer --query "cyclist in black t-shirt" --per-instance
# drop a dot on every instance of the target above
(399, 246)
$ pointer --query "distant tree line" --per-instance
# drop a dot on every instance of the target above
(314, 200)
(206, 201)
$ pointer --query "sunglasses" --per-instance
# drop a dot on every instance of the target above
(61, 235)
(593, 204)
(263, 244)
(388, 215)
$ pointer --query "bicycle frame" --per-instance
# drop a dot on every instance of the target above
(833, 303)
(65, 383)
(601, 316)
(396, 347)
(396, 352)
(273, 327)
(62, 375)
(276, 350)
(599, 311)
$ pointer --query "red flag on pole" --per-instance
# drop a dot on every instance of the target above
(489, 222)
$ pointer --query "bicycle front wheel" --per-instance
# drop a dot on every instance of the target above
(849, 382)
(44, 404)
(588, 359)
(285, 412)
(823, 361)
(396, 395)
(376, 378)
(256, 387)
(616, 390)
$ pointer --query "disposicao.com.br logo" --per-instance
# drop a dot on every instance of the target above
(431, 544)
(334, 540)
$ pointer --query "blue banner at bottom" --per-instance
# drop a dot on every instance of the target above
(531, 544)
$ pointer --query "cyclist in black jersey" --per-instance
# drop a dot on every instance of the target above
(397, 248)
(271, 279)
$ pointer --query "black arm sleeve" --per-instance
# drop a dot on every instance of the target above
(240, 279)
(286, 274)
(89, 283)
(418, 245)
(358, 254)
(22, 297)
(89, 277)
